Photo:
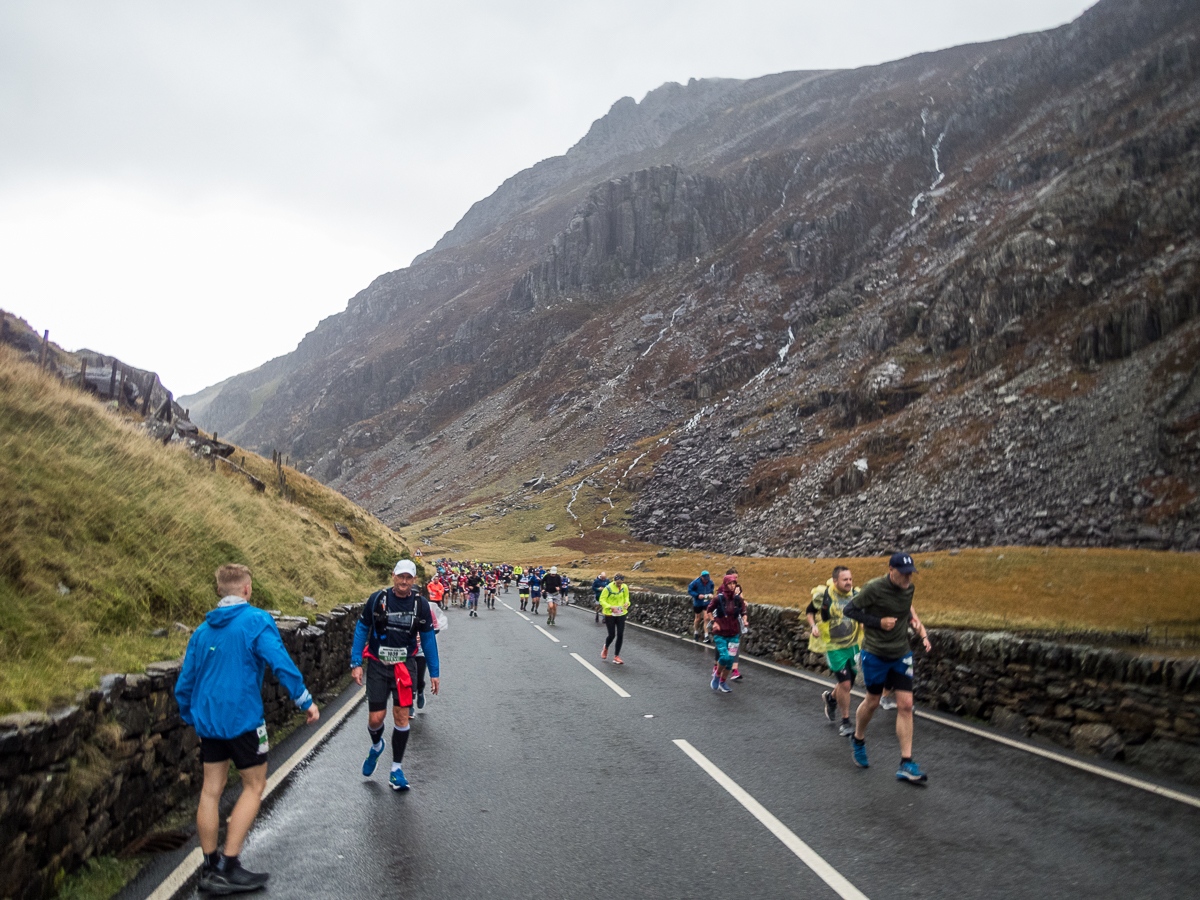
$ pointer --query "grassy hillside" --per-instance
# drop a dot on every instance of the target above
(106, 536)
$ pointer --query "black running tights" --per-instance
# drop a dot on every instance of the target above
(616, 628)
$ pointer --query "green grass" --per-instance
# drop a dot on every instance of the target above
(99, 879)
(106, 536)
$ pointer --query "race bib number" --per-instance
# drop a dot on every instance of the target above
(620, 610)
(263, 745)
(393, 655)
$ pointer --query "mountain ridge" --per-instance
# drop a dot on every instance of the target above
(906, 231)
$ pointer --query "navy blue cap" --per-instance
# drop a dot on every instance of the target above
(902, 563)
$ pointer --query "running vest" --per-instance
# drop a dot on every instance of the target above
(393, 632)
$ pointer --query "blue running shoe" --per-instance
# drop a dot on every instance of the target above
(420, 699)
(860, 752)
(724, 688)
(910, 771)
(397, 780)
(372, 758)
(716, 679)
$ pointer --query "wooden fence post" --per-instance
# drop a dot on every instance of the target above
(149, 390)
(83, 375)
(45, 347)
(121, 391)
(112, 383)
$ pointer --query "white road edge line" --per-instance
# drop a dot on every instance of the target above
(1128, 780)
(546, 633)
(620, 691)
(786, 836)
(171, 885)
(173, 882)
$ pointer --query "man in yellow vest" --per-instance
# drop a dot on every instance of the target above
(839, 638)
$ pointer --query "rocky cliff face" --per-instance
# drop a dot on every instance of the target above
(949, 300)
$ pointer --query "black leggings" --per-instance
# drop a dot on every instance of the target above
(616, 628)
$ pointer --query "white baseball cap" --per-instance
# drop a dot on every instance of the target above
(405, 567)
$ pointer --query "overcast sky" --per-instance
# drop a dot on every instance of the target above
(193, 186)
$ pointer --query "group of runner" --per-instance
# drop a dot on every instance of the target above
(395, 645)
(867, 630)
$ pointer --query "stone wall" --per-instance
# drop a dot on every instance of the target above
(1138, 708)
(87, 780)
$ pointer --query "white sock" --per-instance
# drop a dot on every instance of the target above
(395, 767)
(378, 746)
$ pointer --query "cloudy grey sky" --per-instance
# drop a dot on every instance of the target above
(193, 186)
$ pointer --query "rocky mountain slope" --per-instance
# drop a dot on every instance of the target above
(945, 301)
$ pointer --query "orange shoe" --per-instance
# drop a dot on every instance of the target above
(604, 652)
(618, 661)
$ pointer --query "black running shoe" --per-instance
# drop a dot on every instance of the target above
(830, 706)
(235, 881)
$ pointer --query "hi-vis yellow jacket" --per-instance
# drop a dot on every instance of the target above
(614, 601)
(837, 631)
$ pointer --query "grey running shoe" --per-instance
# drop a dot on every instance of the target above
(846, 729)
(887, 703)
(830, 706)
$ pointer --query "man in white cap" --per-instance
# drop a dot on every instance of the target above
(552, 587)
(386, 634)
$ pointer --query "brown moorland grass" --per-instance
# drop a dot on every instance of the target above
(1022, 588)
(106, 535)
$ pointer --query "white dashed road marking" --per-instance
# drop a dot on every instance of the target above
(620, 691)
(787, 837)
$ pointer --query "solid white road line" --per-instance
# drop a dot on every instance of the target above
(621, 692)
(186, 869)
(1118, 777)
(786, 836)
(546, 633)
(1067, 761)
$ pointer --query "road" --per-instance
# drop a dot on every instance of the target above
(533, 778)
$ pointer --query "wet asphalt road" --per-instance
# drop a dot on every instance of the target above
(532, 778)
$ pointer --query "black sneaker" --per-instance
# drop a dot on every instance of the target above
(206, 873)
(830, 706)
(235, 881)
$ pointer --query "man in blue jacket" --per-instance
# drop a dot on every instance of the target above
(219, 692)
(598, 587)
(386, 634)
(702, 590)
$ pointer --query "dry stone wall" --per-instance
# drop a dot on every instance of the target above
(87, 780)
(1113, 704)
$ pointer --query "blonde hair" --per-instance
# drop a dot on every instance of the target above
(230, 577)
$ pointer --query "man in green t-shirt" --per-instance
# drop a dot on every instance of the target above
(884, 606)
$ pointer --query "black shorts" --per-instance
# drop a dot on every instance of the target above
(381, 683)
(244, 749)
